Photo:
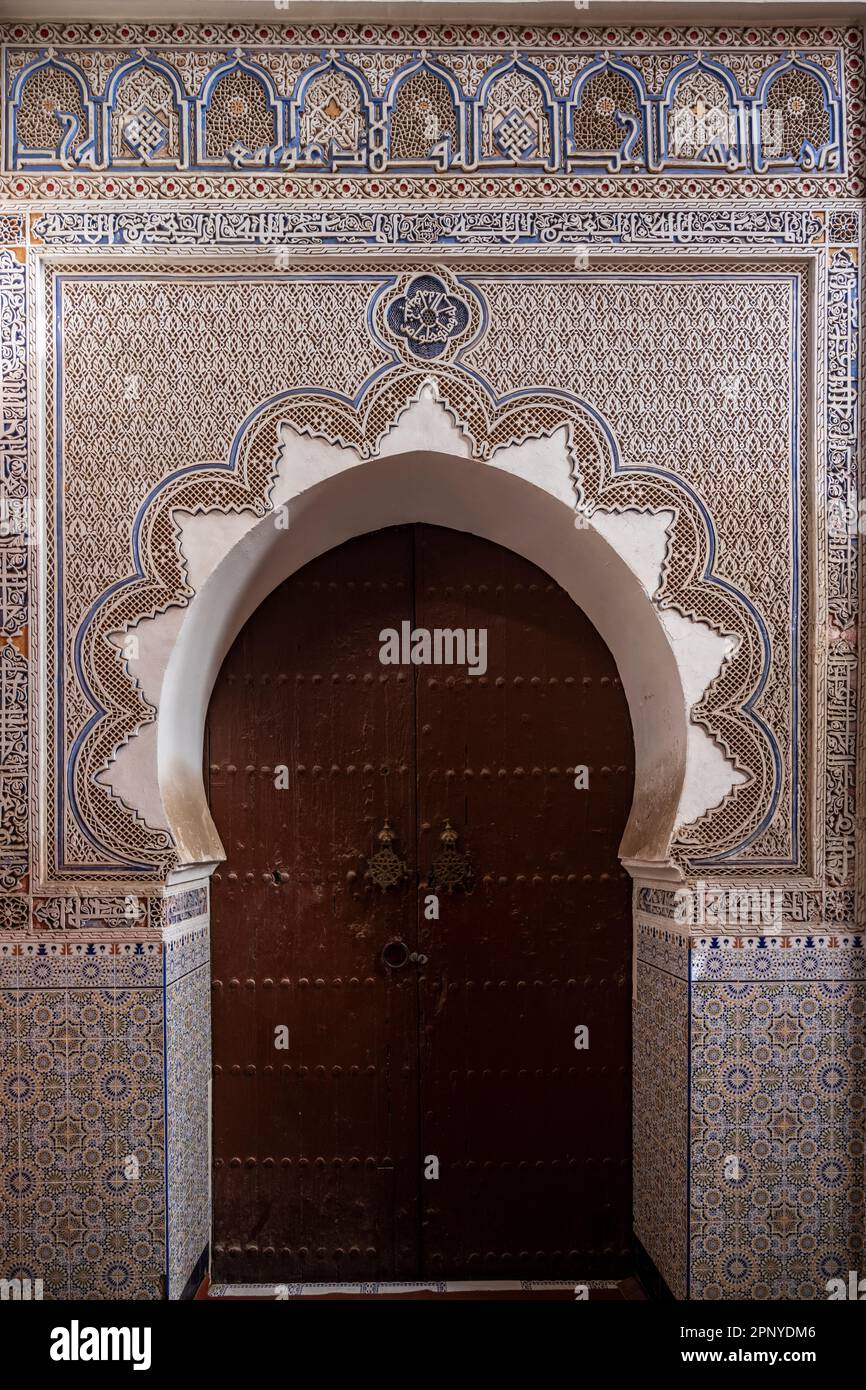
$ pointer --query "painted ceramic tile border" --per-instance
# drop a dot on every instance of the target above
(787, 955)
(31, 963)
(186, 947)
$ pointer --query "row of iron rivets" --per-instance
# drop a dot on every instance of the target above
(319, 982)
(383, 585)
(301, 1253)
(302, 981)
(351, 768)
(367, 585)
(281, 679)
(286, 1069)
(518, 588)
(383, 677)
(285, 877)
(470, 1164)
(536, 681)
(353, 1161)
(354, 1251)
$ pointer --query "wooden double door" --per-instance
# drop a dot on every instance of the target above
(402, 1083)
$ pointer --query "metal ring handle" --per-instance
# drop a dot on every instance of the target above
(395, 954)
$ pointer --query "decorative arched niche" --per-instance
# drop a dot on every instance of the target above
(536, 473)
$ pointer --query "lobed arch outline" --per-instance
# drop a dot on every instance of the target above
(425, 62)
(238, 62)
(737, 107)
(345, 159)
(814, 158)
(244, 482)
(633, 131)
(516, 62)
(63, 151)
(151, 63)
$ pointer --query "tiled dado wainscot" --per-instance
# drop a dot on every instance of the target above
(749, 1107)
(105, 1057)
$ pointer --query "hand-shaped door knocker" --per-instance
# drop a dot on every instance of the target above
(385, 868)
(451, 869)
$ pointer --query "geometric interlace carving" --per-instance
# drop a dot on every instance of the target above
(688, 371)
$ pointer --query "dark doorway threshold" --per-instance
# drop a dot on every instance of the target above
(599, 1290)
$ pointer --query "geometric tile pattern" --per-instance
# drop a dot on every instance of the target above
(749, 1111)
(660, 1099)
(188, 1067)
(102, 1036)
(100, 1040)
(81, 1124)
(778, 1081)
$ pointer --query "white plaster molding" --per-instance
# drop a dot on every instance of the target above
(641, 539)
(131, 777)
(425, 424)
(515, 12)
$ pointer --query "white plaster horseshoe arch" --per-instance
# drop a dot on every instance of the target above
(445, 491)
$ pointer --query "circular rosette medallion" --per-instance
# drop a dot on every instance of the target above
(428, 318)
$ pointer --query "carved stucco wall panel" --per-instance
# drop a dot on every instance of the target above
(204, 540)
(642, 450)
